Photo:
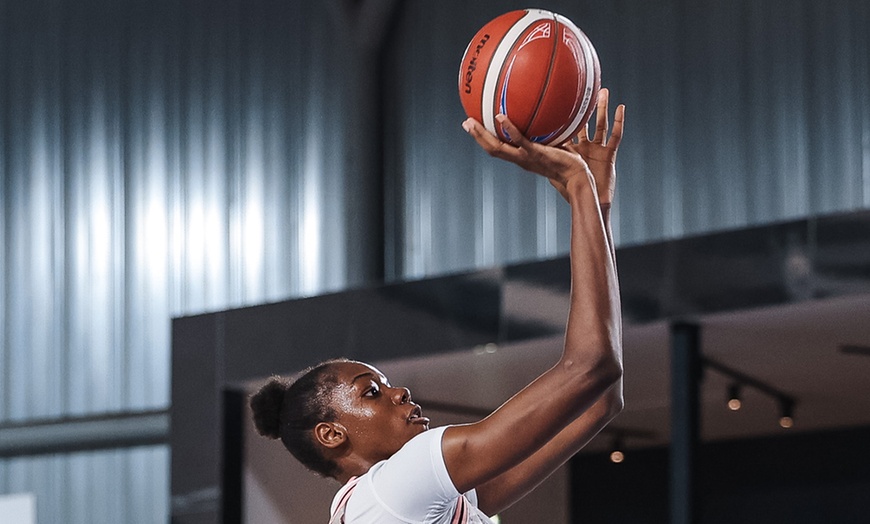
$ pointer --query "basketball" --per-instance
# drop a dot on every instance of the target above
(536, 67)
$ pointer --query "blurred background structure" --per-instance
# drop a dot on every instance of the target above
(164, 159)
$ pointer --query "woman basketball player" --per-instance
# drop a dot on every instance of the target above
(343, 419)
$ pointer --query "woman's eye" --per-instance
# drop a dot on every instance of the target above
(372, 391)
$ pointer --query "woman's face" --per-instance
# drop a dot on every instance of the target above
(379, 418)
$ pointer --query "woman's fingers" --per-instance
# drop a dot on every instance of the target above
(512, 132)
(618, 121)
(552, 162)
(491, 143)
(519, 151)
(483, 137)
(601, 117)
(582, 135)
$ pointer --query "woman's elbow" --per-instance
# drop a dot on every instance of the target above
(611, 403)
(609, 370)
(609, 378)
(600, 374)
(615, 402)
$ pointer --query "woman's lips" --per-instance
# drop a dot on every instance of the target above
(416, 416)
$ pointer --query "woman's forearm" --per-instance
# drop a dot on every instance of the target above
(509, 487)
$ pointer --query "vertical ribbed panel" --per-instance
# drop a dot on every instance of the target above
(157, 158)
(739, 113)
(460, 209)
(129, 486)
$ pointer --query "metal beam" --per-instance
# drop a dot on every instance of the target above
(746, 380)
(67, 435)
(686, 375)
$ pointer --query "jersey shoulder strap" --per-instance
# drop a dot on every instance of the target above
(343, 496)
(460, 514)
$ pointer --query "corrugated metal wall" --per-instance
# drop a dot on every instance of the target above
(160, 158)
(113, 486)
(738, 113)
(157, 158)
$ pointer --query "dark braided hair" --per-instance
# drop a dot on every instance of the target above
(289, 410)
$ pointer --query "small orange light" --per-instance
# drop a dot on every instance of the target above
(734, 397)
(617, 456)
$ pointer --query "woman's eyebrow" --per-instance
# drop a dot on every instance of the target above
(361, 375)
(377, 378)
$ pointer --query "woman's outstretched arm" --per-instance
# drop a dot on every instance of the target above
(502, 491)
(590, 364)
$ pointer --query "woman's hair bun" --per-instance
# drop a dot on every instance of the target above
(266, 405)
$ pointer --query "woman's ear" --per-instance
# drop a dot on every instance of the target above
(330, 434)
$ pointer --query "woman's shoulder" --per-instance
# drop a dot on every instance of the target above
(411, 485)
(421, 454)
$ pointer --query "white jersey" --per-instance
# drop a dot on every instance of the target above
(411, 487)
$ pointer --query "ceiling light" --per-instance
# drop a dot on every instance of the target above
(786, 418)
(617, 455)
(734, 402)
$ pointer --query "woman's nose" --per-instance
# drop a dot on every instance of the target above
(402, 395)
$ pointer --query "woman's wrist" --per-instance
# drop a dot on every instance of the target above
(578, 182)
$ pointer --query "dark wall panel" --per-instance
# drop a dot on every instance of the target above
(799, 479)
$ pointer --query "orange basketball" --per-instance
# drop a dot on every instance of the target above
(537, 68)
